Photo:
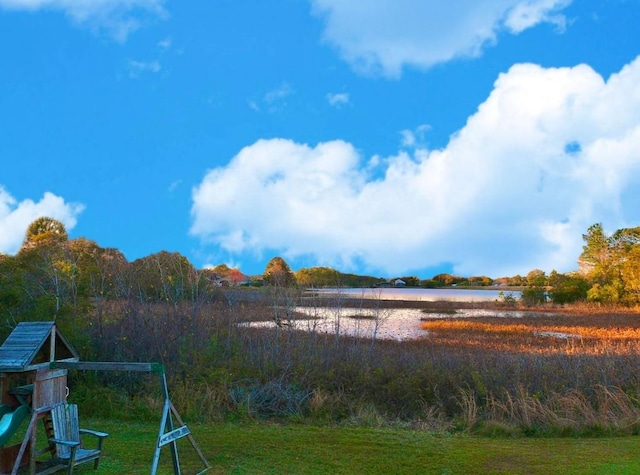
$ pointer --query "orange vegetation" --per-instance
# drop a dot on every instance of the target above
(571, 334)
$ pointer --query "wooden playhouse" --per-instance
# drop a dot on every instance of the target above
(31, 392)
(34, 364)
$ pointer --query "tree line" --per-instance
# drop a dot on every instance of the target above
(53, 276)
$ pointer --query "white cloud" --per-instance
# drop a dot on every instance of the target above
(529, 13)
(338, 99)
(273, 100)
(278, 94)
(166, 43)
(15, 217)
(138, 68)
(118, 17)
(414, 138)
(384, 35)
(550, 152)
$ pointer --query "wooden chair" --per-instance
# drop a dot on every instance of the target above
(67, 438)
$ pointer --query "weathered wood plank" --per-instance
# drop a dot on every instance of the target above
(175, 434)
(32, 345)
(107, 366)
(23, 344)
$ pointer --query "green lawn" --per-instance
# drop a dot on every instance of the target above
(265, 448)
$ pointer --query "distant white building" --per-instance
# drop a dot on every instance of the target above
(399, 283)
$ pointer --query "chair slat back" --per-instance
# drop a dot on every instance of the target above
(74, 425)
(65, 426)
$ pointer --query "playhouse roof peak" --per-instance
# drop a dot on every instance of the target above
(34, 345)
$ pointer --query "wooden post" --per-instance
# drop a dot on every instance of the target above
(31, 431)
(52, 349)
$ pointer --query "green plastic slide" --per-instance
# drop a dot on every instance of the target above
(10, 420)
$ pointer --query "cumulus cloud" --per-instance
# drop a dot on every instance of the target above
(382, 36)
(15, 217)
(547, 154)
(118, 17)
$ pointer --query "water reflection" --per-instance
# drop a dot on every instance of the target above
(425, 295)
(561, 335)
(391, 324)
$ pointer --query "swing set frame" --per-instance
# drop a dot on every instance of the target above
(168, 433)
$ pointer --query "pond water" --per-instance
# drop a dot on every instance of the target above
(389, 323)
(392, 324)
(560, 335)
(426, 295)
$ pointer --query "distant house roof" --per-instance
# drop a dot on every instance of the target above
(382, 284)
(399, 282)
(33, 345)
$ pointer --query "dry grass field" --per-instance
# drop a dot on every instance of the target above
(543, 333)
(548, 371)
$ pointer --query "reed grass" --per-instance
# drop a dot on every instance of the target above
(481, 375)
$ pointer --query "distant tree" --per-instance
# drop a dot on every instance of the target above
(328, 277)
(319, 277)
(278, 273)
(11, 292)
(482, 281)
(516, 281)
(612, 264)
(44, 230)
(595, 260)
(166, 276)
(222, 270)
(353, 280)
(448, 279)
(567, 288)
(43, 260)
(535, 291)
(430, 284)
(112, 278)
(630, 276)
(536, 278)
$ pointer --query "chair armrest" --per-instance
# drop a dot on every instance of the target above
(94, 433)
(69, 443)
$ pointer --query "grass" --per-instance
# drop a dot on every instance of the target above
(264, 448)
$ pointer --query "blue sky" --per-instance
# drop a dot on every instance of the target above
(378, 137)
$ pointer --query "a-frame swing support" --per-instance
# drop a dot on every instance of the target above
(168, 433)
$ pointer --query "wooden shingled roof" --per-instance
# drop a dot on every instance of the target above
(34, 345)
